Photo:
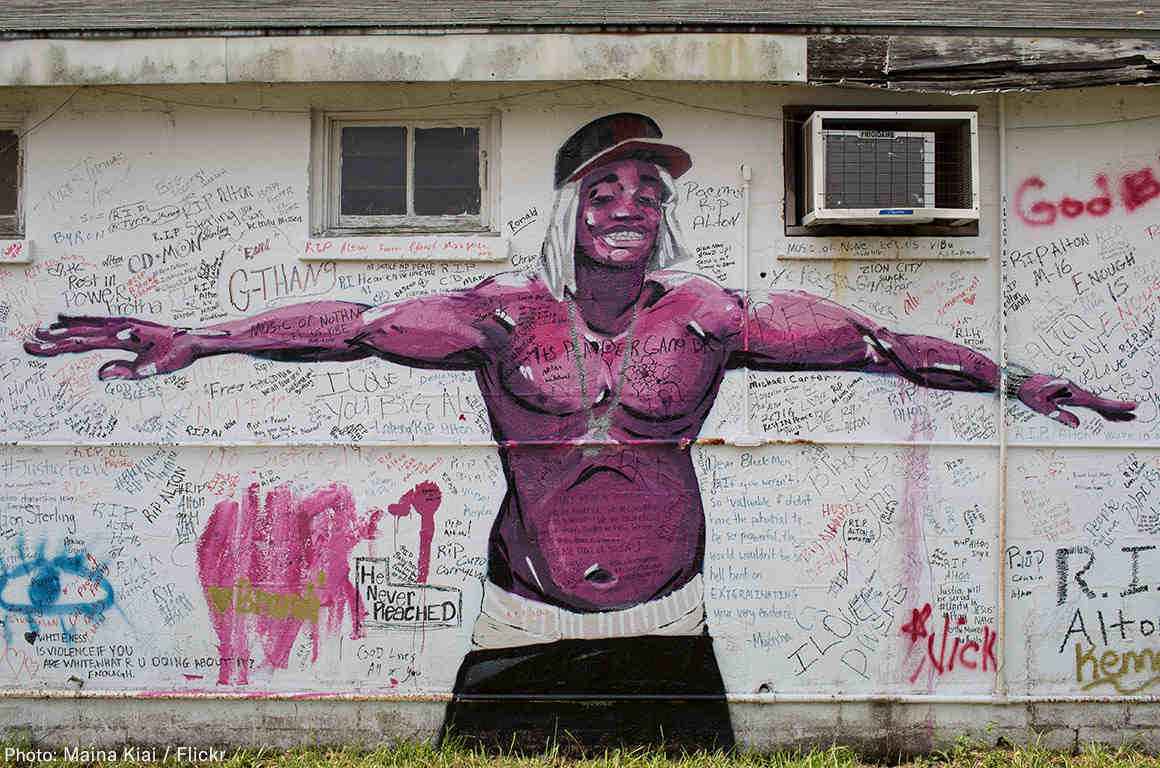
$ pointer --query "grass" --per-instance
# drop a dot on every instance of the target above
(418, 755)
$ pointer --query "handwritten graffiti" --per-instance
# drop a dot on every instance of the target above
(424, 499)
(1112, 667)
(1063, 559)
(857, 630)
(17, 663)
(1104, 661)
(392, 605)
(244, 598)
(1135, 189)
(278, 282)
(715, 205)
(970, 654)
(267, 564)
(13, 251)
(39, 588)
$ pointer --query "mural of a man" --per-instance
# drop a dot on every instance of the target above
(596, 374)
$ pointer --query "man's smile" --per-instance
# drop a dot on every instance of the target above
(623, 236)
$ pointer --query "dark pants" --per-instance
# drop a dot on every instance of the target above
(589, 695)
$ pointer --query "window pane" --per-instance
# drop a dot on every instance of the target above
(446, 171)
(9, 171)
(374, 170)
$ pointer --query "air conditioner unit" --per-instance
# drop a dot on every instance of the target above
(878, 168)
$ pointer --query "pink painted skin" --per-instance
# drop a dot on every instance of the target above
(587, 525)
(424, 499)
(281, 545)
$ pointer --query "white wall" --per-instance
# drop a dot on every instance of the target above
(908, 480)
(1091, 317)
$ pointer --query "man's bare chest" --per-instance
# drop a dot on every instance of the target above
(661, 366)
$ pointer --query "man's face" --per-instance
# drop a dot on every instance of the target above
(620, 213)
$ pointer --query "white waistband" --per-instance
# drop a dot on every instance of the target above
(509, 620)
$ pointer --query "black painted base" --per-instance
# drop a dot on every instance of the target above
(587, 696)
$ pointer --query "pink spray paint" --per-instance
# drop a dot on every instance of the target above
(269, 567)
(915, 570)
(424, 498)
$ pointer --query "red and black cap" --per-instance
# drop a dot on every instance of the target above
(625, 135)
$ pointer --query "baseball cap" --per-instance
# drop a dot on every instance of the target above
(622, 136)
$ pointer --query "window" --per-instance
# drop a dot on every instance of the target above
(875, 172)
(10, 181)
(391, 176)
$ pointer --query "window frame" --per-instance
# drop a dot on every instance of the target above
(12, 225)
(327, 219)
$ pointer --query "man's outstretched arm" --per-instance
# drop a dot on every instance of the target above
(439, 331)
(794, 330)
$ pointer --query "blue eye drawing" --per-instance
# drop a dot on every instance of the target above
(36, 586)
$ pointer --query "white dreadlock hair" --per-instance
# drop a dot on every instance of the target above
(557, 256)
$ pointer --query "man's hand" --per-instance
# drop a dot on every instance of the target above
(158, 348)
(1048, 394)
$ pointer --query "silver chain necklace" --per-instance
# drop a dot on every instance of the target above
(598, 427)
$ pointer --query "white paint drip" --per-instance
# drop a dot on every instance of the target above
(374, 313)
(535, 575)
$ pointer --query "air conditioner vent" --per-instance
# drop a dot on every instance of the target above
(872, 168)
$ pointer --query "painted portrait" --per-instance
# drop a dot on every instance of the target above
(598, 374)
